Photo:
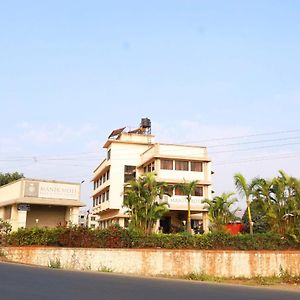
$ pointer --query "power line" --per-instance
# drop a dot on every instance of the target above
(245, 136)
(258, 158)
(255, 148)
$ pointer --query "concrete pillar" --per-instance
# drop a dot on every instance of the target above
(2, 209)
(72, 215)
(18, 218)
(156, 227)
(122, 222)
(205, 221)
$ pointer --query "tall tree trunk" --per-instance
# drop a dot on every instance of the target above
(188, 225)
(249, 216)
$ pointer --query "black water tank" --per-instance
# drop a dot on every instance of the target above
(145, 123)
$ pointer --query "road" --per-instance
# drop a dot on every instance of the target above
(20, 282)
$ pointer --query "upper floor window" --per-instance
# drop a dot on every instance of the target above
(198, 191)
(179, 192)
(181, 165)
(196, 166)
(129, 173)
(108, 154)
(149, 168)
(166, 164)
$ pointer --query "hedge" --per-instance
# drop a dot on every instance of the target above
(117, 237)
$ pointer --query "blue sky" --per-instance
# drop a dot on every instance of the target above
(71, 71)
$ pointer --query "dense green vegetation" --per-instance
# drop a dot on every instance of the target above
(140, 197)
(220, 211)
(275, 205)
(117, 237)
(6, 178)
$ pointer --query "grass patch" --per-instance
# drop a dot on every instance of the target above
(105, 269)
(54, 263)
(283, 278)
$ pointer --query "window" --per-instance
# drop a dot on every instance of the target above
(196, 166)
(129, 173)
(166, 164)
(152, 167)
(178, 192)
(94, 202)
(107, 195)
(93, 218)
(108, 154)
(149, 168)
(198, 191)
(169, 190)
(181, 165)
(107, 175)
(103, 197)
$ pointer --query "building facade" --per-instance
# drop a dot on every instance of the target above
(87, 219)
(29, 203)
(131, 154)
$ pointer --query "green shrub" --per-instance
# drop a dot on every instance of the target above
(35, 236)
(118, 237)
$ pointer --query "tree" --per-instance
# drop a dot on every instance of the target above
(284, 208)
(276, 204)
(219, 210)
(6, 178)
(141, 197)
(245, 190)
(188, 188)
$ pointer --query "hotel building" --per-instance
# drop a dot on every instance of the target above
(40, 203)
(133, 153)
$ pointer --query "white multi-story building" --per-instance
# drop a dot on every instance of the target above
(87, 219)
(133, 153)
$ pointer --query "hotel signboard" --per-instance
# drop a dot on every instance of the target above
(51, 190)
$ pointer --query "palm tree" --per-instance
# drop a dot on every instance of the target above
(245, 190)
(141, 198)
(277, 202)
(219, 210)
(188, 188)
(284, 210)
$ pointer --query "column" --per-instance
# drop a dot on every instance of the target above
(205, 221)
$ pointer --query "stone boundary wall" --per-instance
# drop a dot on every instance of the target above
(156, 262)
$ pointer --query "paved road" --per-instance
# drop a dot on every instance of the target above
(19, 282)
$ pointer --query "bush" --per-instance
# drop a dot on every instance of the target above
(35, 236)
(5, 229)
(118, 237)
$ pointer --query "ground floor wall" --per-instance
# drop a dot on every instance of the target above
(39, 216)
(161, 261)
(173, 221)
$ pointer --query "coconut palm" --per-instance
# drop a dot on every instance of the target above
(188, 188)
(245, 190)
(219, 210)
(141, 198)
(277, 202)
(284, 210)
